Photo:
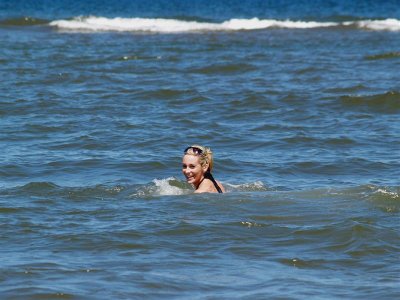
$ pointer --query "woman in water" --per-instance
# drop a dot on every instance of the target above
(197, 164)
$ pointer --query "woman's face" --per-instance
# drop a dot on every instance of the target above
(192, 169)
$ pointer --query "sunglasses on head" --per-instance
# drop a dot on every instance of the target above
(195, 150)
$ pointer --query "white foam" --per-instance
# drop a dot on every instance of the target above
(393, 195)
(160, 25)
(164, 187)
(255, 23)
(379, 25)
(132, 24)
(251, 186)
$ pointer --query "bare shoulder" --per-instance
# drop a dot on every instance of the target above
(205, 187)
(208, 187)
(221, 186)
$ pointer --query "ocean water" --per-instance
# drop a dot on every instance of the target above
(300, 103)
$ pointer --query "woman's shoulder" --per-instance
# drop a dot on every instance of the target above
(221, 186)
(207, 186)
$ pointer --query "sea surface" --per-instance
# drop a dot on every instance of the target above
(299, 101)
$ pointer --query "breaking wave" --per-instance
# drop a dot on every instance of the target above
(163, 25)
(157, 187)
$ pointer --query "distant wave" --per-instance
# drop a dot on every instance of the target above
(387, 55)
(388, 102)
(160, 25)
(24, 21)
(378, 25)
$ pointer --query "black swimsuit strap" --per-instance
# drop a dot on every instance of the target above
(209, 176)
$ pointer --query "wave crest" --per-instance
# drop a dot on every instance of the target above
(163, 25)
(386, 198)
(387, 55)
(161, 187)
(388, 102)
(157, 187)
(377, 25)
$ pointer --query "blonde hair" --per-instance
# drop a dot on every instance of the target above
(205, 158)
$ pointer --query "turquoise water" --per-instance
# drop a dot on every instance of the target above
(301, 109)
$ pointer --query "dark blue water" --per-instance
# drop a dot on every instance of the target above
(299, 102)
(204, 9)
